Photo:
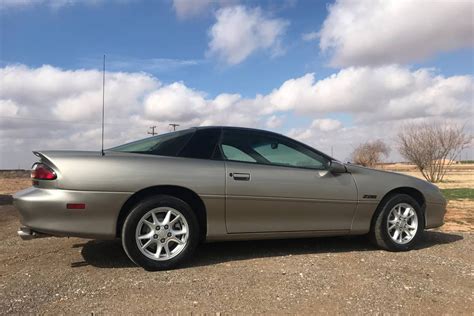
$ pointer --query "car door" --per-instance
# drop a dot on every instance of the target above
(276, 184)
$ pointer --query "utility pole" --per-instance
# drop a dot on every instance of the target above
(174, 125)
(152, 131)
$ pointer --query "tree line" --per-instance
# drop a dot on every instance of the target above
(431, 147)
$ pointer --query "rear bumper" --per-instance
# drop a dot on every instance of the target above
(44, 212)
(435, 214)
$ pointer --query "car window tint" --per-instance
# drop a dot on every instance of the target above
(171, 147)
(280, 154)
(166, 144)
(202, 144)
(235, 154)
(269, 148)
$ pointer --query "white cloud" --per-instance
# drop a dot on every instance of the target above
(186, 9)
(274, 121)
(178, 103)
(375, 32)
(311, 36)
(47, 106)
(326, 125)
(301, 134)
(224, 101)
(175, 102)
(189, 8)
(60, 109)
(376, 93)
(72, 95)
(240, 31)
(8, 108)
(317, 134)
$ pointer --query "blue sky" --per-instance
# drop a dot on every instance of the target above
(76, 36)
(314, 70)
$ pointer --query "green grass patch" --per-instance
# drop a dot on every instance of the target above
(457, 194)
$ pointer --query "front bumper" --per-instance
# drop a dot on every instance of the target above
(44, 212)
(434, 213)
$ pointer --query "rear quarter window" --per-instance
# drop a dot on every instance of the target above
(169, 144)
(202, 144)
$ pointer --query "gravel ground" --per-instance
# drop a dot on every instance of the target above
(326, 275)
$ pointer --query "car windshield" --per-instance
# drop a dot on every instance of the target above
(166, 144)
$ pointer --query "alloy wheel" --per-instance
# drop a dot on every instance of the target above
(402, 223)
(162, 233)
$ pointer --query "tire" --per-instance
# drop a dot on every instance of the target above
(155, 232)
(387, 221)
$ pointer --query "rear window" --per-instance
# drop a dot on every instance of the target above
(169, 144)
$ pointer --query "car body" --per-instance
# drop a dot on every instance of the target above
(279, 188)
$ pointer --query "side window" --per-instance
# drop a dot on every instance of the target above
(235, 154)
(202, 144)
(281, 154)
(270, 149)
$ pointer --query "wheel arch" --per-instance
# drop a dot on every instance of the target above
(414, 193)
(185, 194)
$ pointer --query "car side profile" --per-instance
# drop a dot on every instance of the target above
(165, 194)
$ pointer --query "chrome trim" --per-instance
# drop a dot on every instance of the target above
(26, 233)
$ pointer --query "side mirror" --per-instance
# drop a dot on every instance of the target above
(337, 167)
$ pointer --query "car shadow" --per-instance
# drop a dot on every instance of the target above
(109, 253)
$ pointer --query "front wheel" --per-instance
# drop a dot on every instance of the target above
(160, 233)
(399, 223)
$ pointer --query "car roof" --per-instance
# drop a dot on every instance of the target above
(236, 128)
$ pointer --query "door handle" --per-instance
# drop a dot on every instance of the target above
(240, 176)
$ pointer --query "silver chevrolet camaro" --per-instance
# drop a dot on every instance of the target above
(165, 194)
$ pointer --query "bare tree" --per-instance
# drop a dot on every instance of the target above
(432, 147)
(370, 153)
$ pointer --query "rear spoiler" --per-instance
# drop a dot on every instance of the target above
(44, 158)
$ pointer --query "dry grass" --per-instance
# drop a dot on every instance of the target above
(8, 186)
(459, 175)
(459, 216)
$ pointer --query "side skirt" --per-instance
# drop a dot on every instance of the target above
(278, 235)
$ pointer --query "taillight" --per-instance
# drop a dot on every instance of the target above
(41, 171)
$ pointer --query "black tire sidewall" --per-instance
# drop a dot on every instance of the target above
(128, 232)
(397, 199)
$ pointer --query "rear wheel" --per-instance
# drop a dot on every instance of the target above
(160, 233)
(399, 224)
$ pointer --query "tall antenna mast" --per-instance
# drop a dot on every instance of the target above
(103, 106)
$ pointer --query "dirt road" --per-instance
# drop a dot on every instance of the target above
(328, 275)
